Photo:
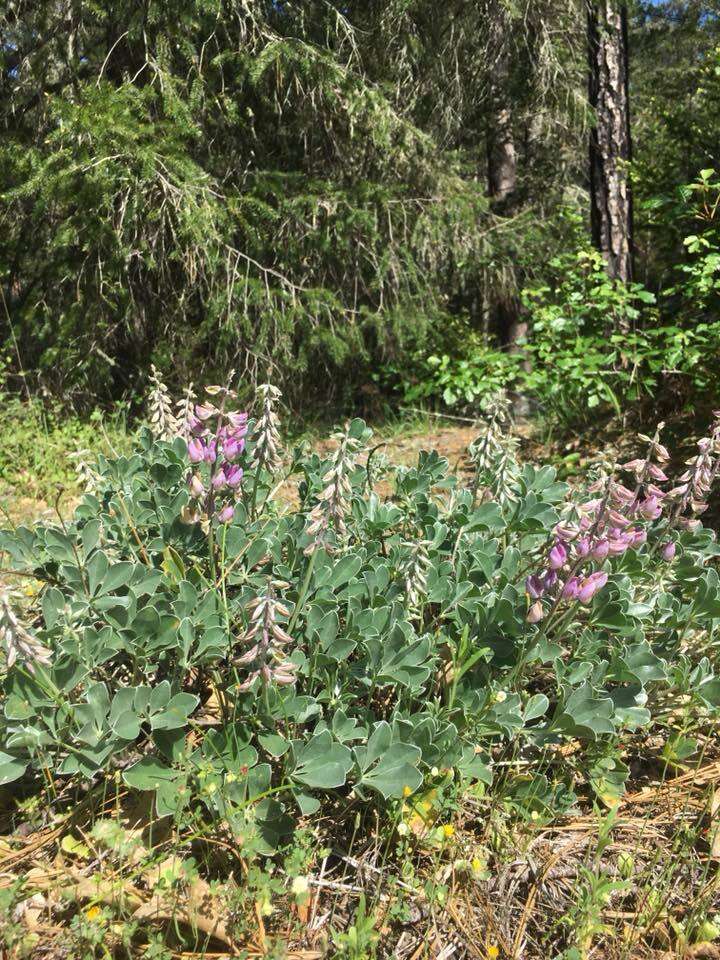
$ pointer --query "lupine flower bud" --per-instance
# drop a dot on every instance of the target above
(668, 551)
(205, 411)
(558, 556)
(219, 480)
(535, 613)
(226, 514)
(195, 486)
(656, 473)
(600, 550)
(566, 531)
(196, 450)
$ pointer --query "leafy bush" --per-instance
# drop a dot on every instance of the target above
(593, 343)
(258, 658)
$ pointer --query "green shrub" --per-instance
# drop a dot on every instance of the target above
(344, 645)
(594, 344)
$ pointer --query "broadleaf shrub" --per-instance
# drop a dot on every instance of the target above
(260, 656)
(594, 344)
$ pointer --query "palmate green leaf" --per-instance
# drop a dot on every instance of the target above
(385, 766)
(175, 713)
(585, 715)
(168, 784)
(320, 762)
(399, 659)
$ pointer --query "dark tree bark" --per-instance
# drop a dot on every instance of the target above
(610, 143)
(511, 326)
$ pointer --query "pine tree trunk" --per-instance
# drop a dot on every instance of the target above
(610, 144)
(511, 326)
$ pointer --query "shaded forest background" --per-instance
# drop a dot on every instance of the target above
(318, 194)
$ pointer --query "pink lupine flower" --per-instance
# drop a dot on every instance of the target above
(550, 579)
(650, 508)
(656, 473)
(582, 547)
(639, 537)
(637, 465)
(621, 494)
(591, 585)
(205, 411)
(600, 550)
(226, 514)
(231, 448)
(571, 588)
(210, 454)
(558, 556)
(239, 421)
(668, 550)
(219, 480)
(656, 492)
(535, 613)
(618, 545)
(233, 475)
(534, 587)
(196, 450)
(618, 519)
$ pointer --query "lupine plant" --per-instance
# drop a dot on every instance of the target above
(262, 658)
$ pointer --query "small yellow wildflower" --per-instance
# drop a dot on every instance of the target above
(407, 791)
(92, 913)
(477, 864)
(493, 953)
(448, 830)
